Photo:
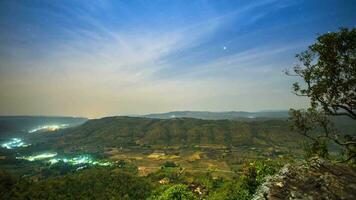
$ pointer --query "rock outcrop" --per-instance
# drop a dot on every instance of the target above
(315, 179)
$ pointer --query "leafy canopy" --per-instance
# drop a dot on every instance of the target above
(328, 69)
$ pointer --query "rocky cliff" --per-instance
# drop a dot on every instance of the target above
(314, 179)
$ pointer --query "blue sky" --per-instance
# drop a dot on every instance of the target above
(98, 58)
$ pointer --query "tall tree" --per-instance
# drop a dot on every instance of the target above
(328, 73)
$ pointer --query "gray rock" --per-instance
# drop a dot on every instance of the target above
(315, 180)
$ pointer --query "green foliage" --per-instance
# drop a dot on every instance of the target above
(328, 69)
(170, 164)
(127, 167)
(243, 188)
(157, 192)
(209, 182)
(350, 152)
(231, 190)
(254, 174)
(174, 175)
(306, 122)
(316, 148)
(6, 182)
(114, 183)
(88, 184)
(174, 192)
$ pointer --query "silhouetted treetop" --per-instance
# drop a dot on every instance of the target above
(328, 69)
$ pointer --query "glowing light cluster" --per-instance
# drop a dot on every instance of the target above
(83, 160)
(14, 143)
(38, 157)
(49, 128)
(80, 160)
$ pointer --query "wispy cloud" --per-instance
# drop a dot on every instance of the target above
(109, 57)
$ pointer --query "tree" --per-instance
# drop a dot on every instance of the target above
(95, 183)
(7, 181)
(304, 122)
(175, 192)
(328, 71)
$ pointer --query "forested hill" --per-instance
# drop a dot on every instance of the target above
(132, 131)
(121, 131)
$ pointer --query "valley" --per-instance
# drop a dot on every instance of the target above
(220, 147)
(177, 100)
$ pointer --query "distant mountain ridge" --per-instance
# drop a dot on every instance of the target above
(231, 115)
(22, 123)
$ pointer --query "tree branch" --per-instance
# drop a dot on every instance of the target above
(348, 159)
(347, 109)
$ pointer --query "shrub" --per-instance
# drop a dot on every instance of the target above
(174, 192)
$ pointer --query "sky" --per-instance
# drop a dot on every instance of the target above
(96, 58)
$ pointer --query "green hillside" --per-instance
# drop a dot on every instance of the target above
(183, 132)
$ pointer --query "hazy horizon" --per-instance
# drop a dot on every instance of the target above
(107, 58)
(139, 114)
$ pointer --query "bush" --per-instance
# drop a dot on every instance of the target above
(243, 188)
(7, 180)
(174, 192)
(230, 190)
(316, 148)
(254, 174)
(170, 164)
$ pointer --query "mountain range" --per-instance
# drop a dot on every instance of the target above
(232, 115)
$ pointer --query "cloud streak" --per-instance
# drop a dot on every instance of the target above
(109, 58)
